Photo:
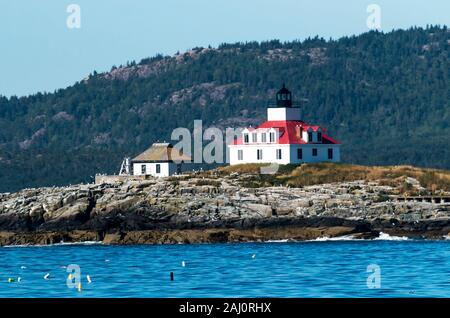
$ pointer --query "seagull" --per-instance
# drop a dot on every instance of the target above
(47, 276)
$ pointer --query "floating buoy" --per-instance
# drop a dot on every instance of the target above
(106, 260)
(183, 264)
(10, 280)
(88, 279)
(19, 279)
(47, 276)
(79, 287)
(23, 267)
(171, 276)
(254, 256)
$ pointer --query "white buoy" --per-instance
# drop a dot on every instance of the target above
(106, 260)
(23, 267)
(47, 276)
(254, 256)
(19, 279)
(89, 279)
(183, 264)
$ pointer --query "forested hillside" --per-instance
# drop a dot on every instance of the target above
(385, 96)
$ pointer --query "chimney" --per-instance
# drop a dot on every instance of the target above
(298, 131)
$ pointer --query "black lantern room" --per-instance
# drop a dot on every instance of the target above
(284, 97)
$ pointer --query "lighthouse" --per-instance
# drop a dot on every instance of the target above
(284, 138)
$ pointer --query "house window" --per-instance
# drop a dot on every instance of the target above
(314, 152)
(278, 154)
(310, 136)
(246, 138)
(240, 154)
(254, 137)
(143, 169)
(330, 153)
(300, 153)
(319, 137)
(272, 137)
(259, 154)
(158, 168)
(263, 137)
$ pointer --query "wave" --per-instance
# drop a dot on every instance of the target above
(57, 244)
(381, 237)
(279, 241)
(336, 238)
(386, 237)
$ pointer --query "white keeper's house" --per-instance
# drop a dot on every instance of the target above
(284, 138)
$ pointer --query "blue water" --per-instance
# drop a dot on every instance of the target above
(307, 269)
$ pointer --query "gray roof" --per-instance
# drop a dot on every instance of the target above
(162, 152)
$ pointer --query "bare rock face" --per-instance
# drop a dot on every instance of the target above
(197, 209)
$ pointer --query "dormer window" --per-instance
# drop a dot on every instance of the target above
(254, 137)
(245, 138)
(310, 136)
(319, 137)
(272, 137)
(263, 137)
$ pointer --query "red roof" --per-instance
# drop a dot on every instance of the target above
(289, 132)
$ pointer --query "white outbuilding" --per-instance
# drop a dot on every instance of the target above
(160, 160)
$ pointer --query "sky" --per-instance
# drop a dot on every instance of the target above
(43, 49)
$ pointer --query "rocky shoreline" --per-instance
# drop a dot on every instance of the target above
(208, 209)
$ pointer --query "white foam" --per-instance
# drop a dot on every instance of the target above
(386, 237)
(336, 238)
(57, 244)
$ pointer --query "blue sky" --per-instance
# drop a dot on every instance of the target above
(39, 52)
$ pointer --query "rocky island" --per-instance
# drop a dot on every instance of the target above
(234, 204)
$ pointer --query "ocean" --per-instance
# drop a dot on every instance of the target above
(388, 267)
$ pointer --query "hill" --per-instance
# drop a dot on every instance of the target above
(386, 96)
